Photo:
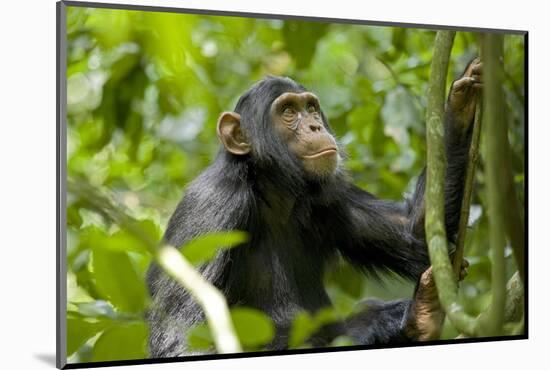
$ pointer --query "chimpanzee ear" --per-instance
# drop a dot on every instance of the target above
(231, 135)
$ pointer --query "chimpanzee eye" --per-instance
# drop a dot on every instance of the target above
(311, 108)
(288, 111)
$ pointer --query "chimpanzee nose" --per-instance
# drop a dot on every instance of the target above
(315, 126)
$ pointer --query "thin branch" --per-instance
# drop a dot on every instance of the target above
(389, 68)
(435, 195)
(513, 218)
(515, 226)
(171, 260)
(473, 156)
(495, 133)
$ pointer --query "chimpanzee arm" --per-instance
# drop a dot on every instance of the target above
(380, 322)
(458, 121)
(389, 235)
(420, 319)
(385, 235)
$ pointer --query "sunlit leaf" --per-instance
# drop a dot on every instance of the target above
(73, 216)
(117, 281)
(342, 341)
(253, 327)
(79, 330)
(122, 342)
(97, 308)
(124, 240)
(305, 325)
(204, 248)
(302, 328)
(120, 241)
(199, 337)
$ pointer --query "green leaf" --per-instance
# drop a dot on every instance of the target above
(342, 341)
(73, 216)
(150, 229)
(119, 241)
(204, 248)
(97, 309)
(301, 39)
(342, 302)
(79, 331)
(117, 281)
(84, 277)
(123, 240)
(199, 337)
(124, 342)
(304, 325)
(253, 327)
(302, 328)
(348, 279)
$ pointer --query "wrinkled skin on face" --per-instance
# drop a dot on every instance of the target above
(297, 119)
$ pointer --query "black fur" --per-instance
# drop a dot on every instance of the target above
(296, 223)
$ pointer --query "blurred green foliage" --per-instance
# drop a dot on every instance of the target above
(144, 93)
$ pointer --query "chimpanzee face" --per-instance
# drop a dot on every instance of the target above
(297, 119)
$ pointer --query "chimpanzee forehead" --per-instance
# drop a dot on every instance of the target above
(273, 87)
(262, 94)
(302, 97)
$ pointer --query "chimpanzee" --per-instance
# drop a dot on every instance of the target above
(279, 176)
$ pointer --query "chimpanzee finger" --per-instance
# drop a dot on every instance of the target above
(477, 69)
(463, 269)
(463, 274)
(462, 84)
(477, 76)
(427, 277)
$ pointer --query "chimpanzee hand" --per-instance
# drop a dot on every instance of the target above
(426, 316)
(463, 95)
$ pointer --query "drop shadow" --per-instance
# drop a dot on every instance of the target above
(47, 358)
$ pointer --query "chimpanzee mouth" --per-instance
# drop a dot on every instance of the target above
(321, 153)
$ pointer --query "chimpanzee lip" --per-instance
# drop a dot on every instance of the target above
(321, 153)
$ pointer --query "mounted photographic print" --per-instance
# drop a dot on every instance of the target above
(235, 184)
